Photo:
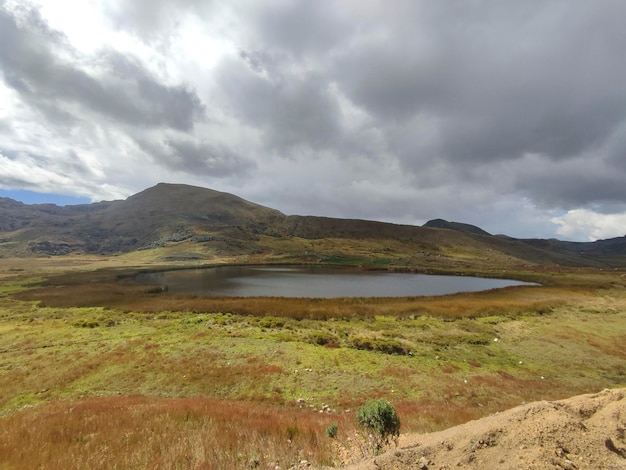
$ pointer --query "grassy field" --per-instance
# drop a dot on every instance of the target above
(96, 373)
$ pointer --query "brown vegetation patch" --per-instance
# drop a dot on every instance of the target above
(441, 360)
(612, 347)
(147, 433)
(101, 288)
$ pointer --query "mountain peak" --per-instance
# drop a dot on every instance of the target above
(457, 226)
(205, 223)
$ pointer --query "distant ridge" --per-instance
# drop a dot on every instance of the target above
(182, 222)
(458, 226)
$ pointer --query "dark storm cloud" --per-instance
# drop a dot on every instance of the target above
(207, 158)
(413, 109)
(500, 80)
(290, 109)
(51, 76)
(177, 107)
(197, 157)
(457, 94)
(390, 79)
(537, 77)
(569, 185)
(616, 149)
(300, 28)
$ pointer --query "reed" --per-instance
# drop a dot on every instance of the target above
(148, 433)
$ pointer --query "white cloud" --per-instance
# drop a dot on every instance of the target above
(498, 116)
(580, 224)
(25, 171)
(80, 21)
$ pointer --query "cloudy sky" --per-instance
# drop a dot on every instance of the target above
(510, 115)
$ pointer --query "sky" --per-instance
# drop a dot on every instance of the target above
(509, 115)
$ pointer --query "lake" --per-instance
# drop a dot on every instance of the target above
(313, 281)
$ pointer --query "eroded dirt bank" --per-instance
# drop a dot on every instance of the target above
(583, 432)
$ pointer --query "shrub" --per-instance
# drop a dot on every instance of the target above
(322, 338)
(379, 417)
(331, 431)
(383, 345)
(272, 322)
(82, 323)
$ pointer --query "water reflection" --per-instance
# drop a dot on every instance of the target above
(313, 281)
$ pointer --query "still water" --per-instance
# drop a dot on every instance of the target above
(313, 281)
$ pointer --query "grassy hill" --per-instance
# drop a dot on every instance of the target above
(185, 222)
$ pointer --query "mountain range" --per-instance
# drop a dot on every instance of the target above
(176, 221)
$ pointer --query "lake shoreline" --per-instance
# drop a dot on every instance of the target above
(314, 281)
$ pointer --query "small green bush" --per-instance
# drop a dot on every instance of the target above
(331, 431)
(383, 345)
(271, 322)
(379, 417)
(82, 323)
(322, 338)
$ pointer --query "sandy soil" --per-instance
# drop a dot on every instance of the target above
(583, 432)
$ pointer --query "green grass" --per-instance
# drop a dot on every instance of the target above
(74, 352)
(441, 361)
(357, 261)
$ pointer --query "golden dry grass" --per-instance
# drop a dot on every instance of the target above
(99, 374)
(136, 432)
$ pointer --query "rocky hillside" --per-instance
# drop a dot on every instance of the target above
(163, 214)
(203, 223)
(461, 227)
(584, 432)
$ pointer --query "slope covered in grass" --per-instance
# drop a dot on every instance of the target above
(157, 380)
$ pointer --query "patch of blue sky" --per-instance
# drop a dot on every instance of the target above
(32, 197)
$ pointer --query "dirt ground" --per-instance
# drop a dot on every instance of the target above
(583, 432)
